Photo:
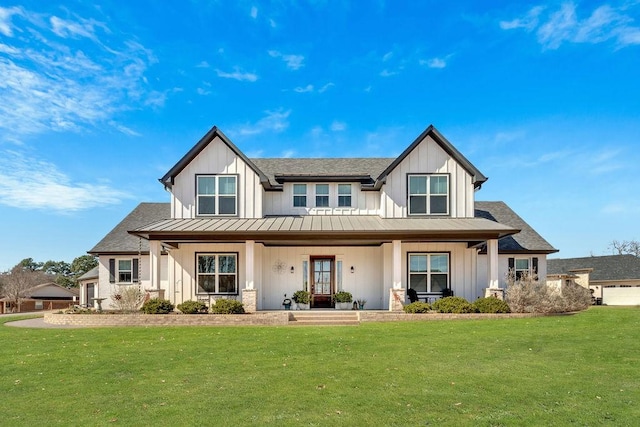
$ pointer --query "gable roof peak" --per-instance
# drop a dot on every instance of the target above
(168, 178)
(478, 177)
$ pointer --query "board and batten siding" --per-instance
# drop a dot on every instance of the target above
(462, 264)
(426, 158)
(362, 202)
(217, 158)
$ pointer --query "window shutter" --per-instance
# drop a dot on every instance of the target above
(135, 270)
(534, 264)
(512, 263)
(112, 270)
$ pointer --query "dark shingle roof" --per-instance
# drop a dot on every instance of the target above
(120, 241)
(527, 240)
(338, 167)
(91, 274)
(610, 267)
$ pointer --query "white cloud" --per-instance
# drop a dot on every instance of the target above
(273, 121)
(387, 56)
(387, 73)
(82, 28)
(5, 19)
(563, 25)
(31, 183)
(287, 154)
(337, 126)
(203, 64)
(307, 88)
(434, 63)
(51, 81)
(254, 12)
(236, 74)
(325, 87)
(294, 62)
(528, 22)
(202, 91)
(124, 129)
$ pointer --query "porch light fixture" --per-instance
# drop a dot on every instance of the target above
(353, 269)
(292, 269)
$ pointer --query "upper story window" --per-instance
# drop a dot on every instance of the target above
(428, 195)
(217, 194)
(217, 274)
(344, 195)
(322, 195)
(299, 195)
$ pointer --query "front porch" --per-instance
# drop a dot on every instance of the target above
(263, 261)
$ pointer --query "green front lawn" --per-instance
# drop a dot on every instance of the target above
(565, 370)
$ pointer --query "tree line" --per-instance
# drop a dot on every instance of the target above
(16, 283)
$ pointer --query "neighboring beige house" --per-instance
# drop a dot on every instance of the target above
(259, 229)
(614, 279)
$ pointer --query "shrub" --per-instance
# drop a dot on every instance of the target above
(127, 298)
(227, 306)
(575, 297)
(491, 305)
(192, 307)
(157, 306)
(417, 307)
(452, 305)
(343, 296)
(528, 295)
(301, 297)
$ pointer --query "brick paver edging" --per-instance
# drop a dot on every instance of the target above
(97, 320)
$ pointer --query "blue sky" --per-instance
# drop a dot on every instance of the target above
(99, 99)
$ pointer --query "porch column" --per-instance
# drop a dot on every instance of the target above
(493, 288)
(397, 293)
(249, 295)
(155, 253)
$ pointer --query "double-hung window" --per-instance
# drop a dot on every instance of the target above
(217, 273)
(322, 195)
(299, 195)
(217, 194)
(523, 267)
(429, 272)
(125, 271)
(428, 194)
(344, 195)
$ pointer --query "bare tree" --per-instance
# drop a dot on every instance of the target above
(625, 247)
(15, 284)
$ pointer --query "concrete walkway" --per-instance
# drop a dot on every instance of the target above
(37, 322)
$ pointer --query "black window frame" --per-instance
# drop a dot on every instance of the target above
(216, 274)
(216, 196)
(428, 202)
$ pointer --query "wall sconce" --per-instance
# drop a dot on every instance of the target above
(292, 269)
(353, 269)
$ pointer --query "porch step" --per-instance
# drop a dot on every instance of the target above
(324, 318)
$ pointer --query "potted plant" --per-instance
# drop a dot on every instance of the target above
(302, 298)
(361, 303)
(343, 300)
(286, 302)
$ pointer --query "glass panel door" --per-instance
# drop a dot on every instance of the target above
(321, 282)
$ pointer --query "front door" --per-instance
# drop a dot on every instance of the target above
(321, 282)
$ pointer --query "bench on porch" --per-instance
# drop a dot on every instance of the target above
(429, 297)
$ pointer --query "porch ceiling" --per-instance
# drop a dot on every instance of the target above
(324, 230)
